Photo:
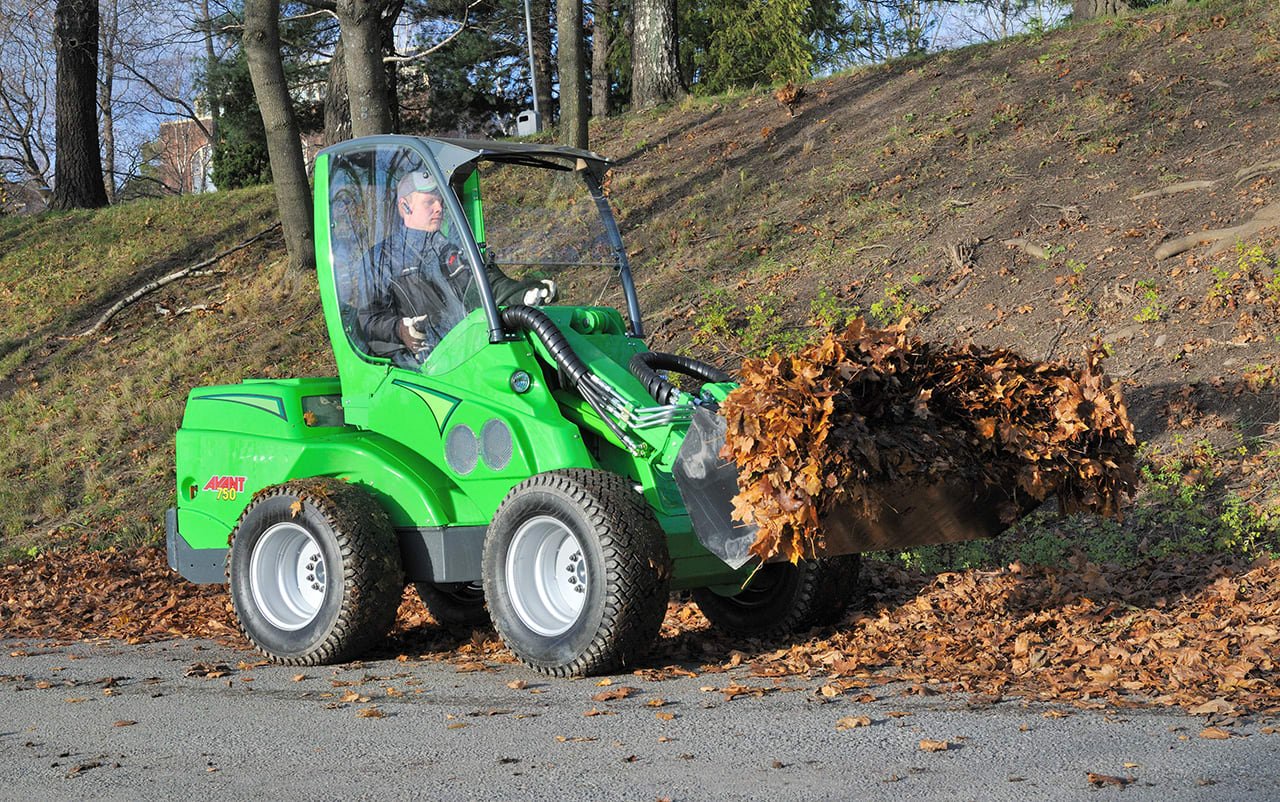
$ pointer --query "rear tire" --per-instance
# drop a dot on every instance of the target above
(784, 598)
(456, 606)
(576, 572)
(315, 572)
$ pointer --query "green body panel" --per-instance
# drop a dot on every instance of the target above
(228, 449)
(394, 433)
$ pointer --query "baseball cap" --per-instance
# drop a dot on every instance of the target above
(416, 181)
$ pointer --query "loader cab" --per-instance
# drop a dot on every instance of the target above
(544, 215)
(375, 240)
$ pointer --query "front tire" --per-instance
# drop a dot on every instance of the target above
(315, 572)
(576, 572)
(783, 598)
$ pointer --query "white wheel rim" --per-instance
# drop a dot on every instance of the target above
(287, 576)
(547, 576)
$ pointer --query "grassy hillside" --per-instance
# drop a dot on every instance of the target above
(985, 194)
(87, 424)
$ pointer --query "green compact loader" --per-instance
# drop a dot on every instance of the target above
(535, 467)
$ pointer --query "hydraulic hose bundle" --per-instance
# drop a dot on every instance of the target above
(645, 367)
(594, 390)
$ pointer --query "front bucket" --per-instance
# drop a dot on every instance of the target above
(909, 515)
(707, 486)
(916, 515)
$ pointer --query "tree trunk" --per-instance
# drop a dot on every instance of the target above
(601, 41)
(655, 74)
(77, 182)
(571, 60)
(109, 38)
(293, 194)
(1092, 9)
(540, 21)
(337, 112)
(360, 21)
(211, 59)
(390, 13)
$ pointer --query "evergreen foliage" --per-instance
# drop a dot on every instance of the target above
(240, 154)
(478, 82)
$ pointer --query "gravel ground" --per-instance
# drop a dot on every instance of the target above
(110, 720)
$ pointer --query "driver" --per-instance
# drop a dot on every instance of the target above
(424, 285)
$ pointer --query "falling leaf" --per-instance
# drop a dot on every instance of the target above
(656, 702)
(297, 677)
(124, 723)
(295, 509)
(934, 746)
(849, 722)
(518, 685)
(373, 712)
(665, 716)
(1215, 733)
(456, 725)
(594, 712)
(830, 691)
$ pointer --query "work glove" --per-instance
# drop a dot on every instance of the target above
(412, 333)
(543, 293)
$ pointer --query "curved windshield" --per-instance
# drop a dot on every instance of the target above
(544, 224)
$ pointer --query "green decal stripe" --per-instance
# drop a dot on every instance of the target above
(266, 403)
(441, 405)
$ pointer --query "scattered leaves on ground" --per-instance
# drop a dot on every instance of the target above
(621, 692)
(1200, 634)
(1102, 780)
(849, 722)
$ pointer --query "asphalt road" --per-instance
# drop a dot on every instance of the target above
(116, 721)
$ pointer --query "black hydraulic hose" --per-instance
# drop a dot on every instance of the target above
(528, 318)
(645, 367)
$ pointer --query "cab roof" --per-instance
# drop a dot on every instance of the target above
(450, 154)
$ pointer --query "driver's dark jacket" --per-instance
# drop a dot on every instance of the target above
(415, 273)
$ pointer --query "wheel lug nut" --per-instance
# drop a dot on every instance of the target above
(311, 577)
(315, 586)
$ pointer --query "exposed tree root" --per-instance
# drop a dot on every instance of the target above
(1223, 237)
(1255, 171)
(1027, 247)
(163, 280)
(1174, 189)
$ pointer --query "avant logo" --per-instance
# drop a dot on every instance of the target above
(235, 483)
(228, 487)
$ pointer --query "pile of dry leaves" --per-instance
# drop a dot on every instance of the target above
(832, 426)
